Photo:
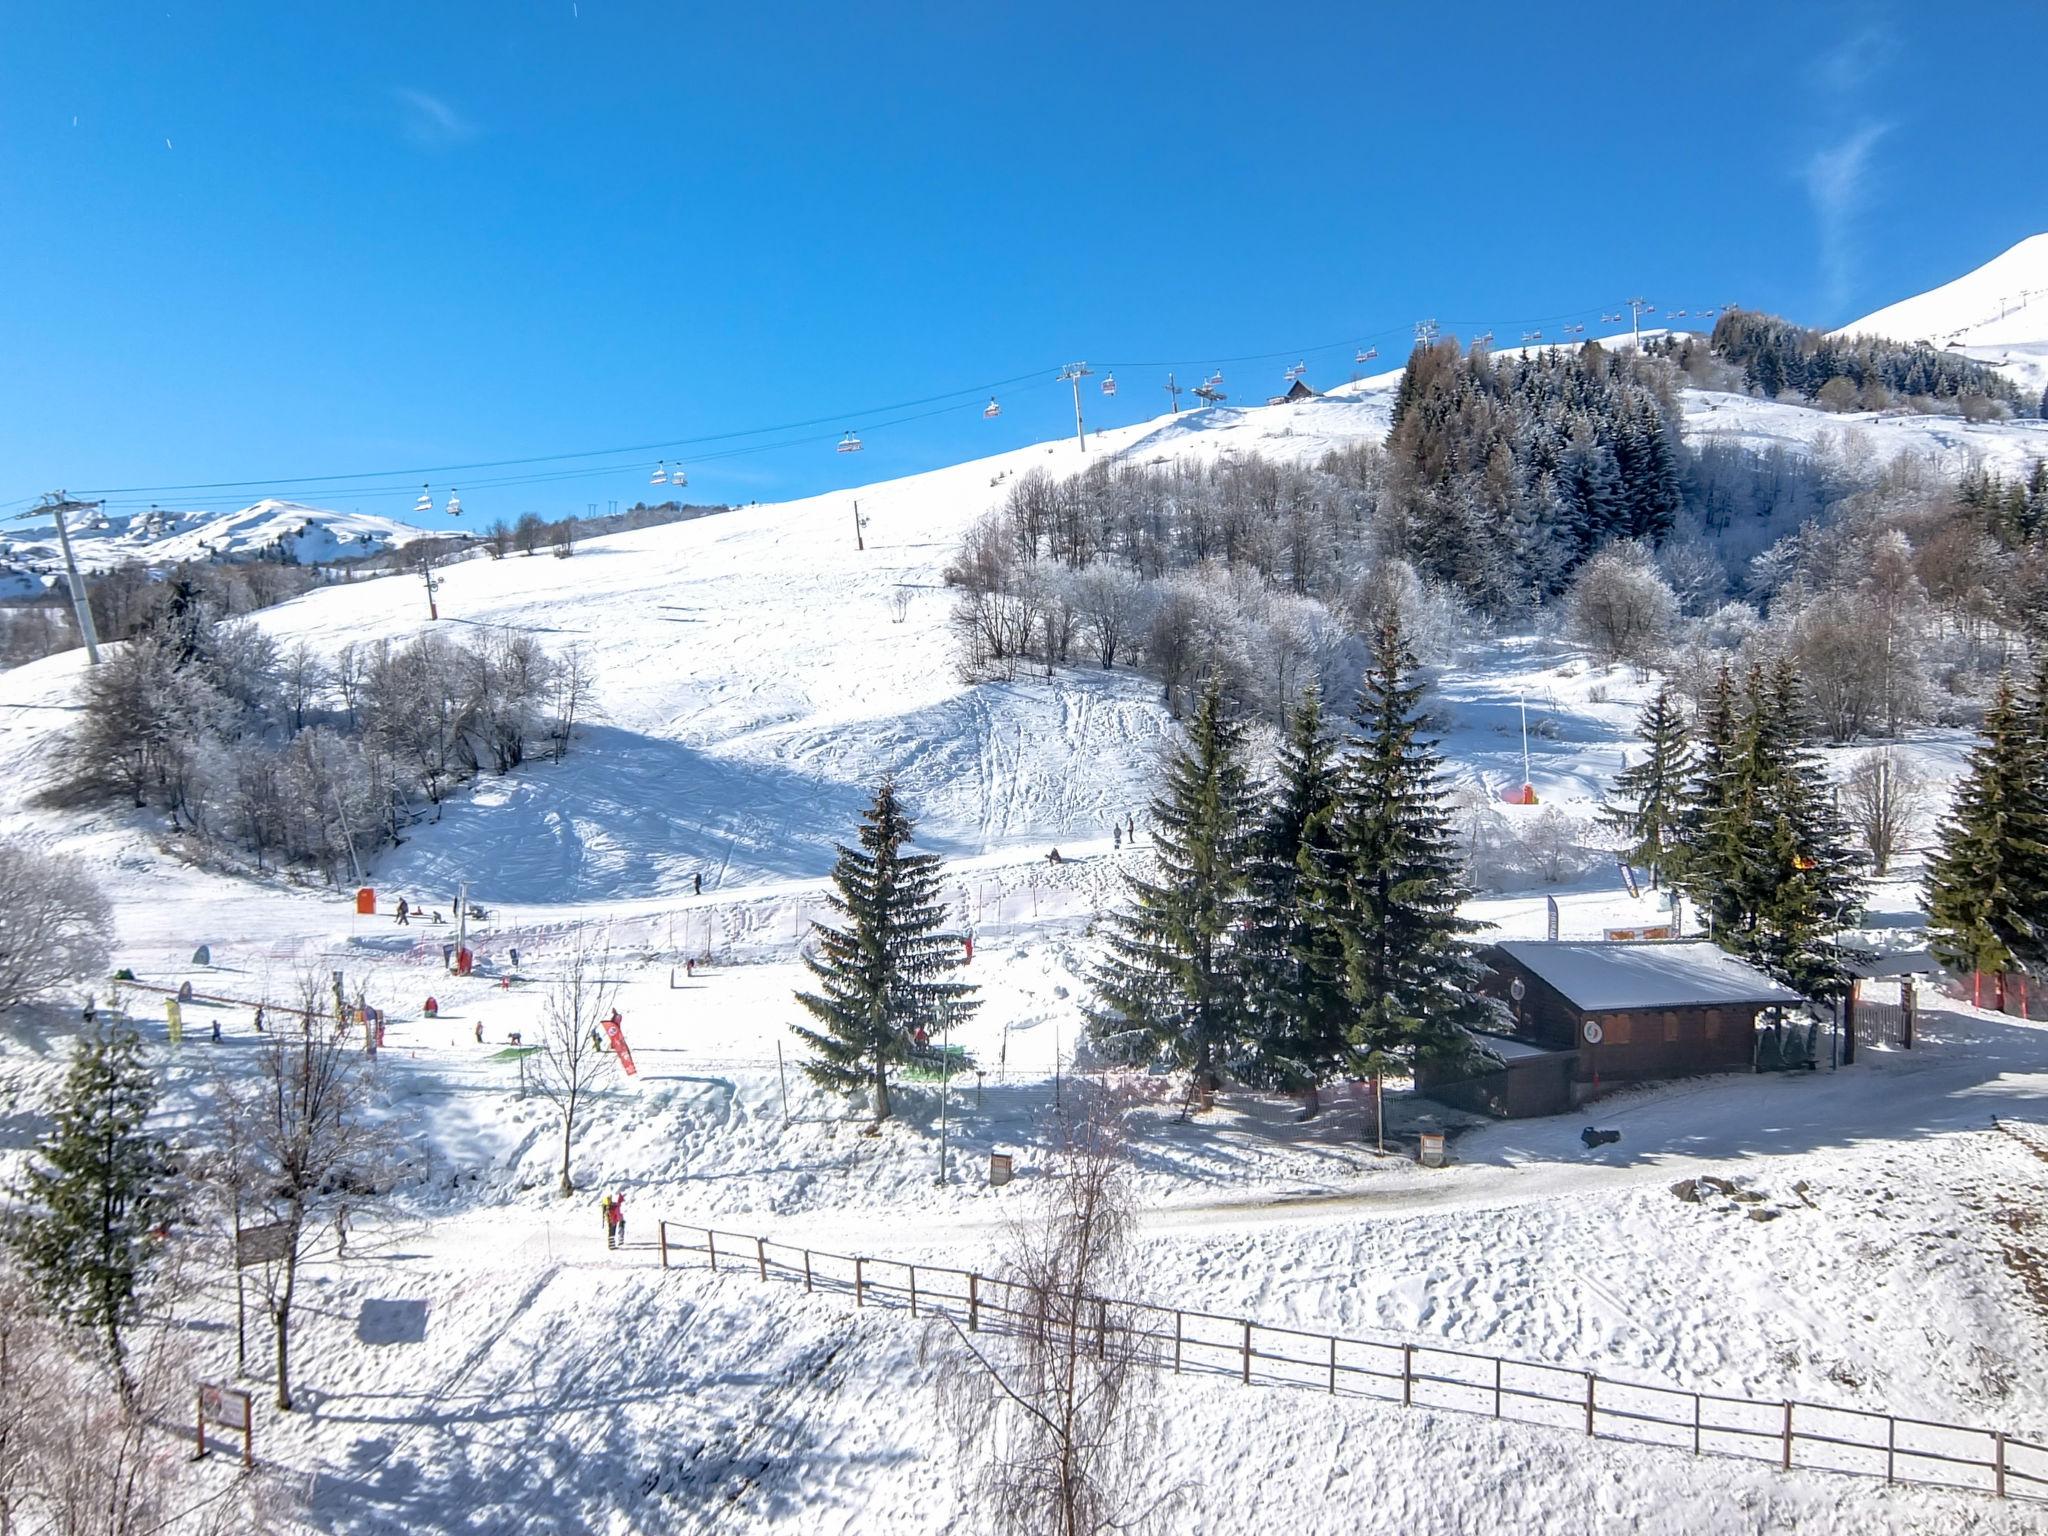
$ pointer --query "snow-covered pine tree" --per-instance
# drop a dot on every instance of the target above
(1299, 1005)
(882, 976)
(95, 1190)
(1392, 887)
(1175, 968)
(1648, 808)
(1987, 894)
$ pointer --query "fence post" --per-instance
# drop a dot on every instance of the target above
(761, 1255)
(973, 1302)
(661, 1238)
(711, 1244)
(1176, 1343)
(1785, 1462)
(1496, 1386)
(1407, 1375)
(913, 1290)
(807, 1270)
(1333, 1364)
(199, 1419)
(856, 1282)
(1998, 1439)
(1590, 1379)
(1695, 1423)
(1101, 1329)
(1247, 1354)
(1891, 1446)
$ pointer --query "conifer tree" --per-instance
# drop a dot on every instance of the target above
(882, 976)
(1299, 1006)
(1175, 968)
(1650, 796)
(1392, 887)
(1988, 889)
(96, 1190)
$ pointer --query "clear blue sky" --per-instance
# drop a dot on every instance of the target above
(264, 243)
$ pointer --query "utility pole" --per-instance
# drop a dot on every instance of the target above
(1173, 393)
(1635, 319)
(1073, 374)
(427, 571)
(858, 542)
(57, 503)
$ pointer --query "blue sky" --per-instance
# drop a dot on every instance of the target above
(272, 243)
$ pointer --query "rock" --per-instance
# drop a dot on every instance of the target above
(1718, 1186)
(1764, 1213)
(1687, 1190)
(1748, 1197)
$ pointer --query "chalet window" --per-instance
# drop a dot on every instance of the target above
(1617, 1028)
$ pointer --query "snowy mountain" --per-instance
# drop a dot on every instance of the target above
(1997, 314)
(31, 559)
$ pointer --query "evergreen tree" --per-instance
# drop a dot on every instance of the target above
(1768, 857)
(1175, 971)
(94, 1194)
(1988, 890)
(882, 976)
(1650, 796)
(1299, 1006)
(1391, 888)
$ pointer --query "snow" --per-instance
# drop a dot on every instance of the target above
(481, 1362)
(1609, 977)
(31, 559)
(1997, 314)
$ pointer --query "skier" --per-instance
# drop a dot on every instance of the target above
(697, 883)
(404, 913)
(611, 1231)
(619, 1218)
(1131, 828)
(479, 1031)
(341, 1232)
(1053, 857)
(596, 1039)
(515, 959)
(690, 969)
(1116, 836)
(259, 1018)
(433, 1008)
(216, 1031)
(90, 1009)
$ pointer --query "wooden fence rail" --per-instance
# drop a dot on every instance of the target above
(1790, 1434)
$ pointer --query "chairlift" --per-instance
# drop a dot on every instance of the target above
(1678, 314)
(454, 503)
(424, 504)
(992, 410)
(1528, 336)
(849, 444)
(660, 475)
(1371, 353)
(677, 477)
(1296, 372)
(1109, 383)
(1483, 341)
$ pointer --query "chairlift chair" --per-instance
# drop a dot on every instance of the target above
(849, 444)
(1532, 336)
(992, 410)
(454, 504)
(424, 504)
(1109, 383)
(660, 475)
(1371, 353)
(677, 477)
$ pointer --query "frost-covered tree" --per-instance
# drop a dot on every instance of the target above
(94, 1194)
(883, 976)
(53, 924)
(1621, 606)
(1174, 973)
(1987, 897)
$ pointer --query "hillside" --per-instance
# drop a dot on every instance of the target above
(1997, 314)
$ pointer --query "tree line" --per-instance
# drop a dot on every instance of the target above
(1858, 372)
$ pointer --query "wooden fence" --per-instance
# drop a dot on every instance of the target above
(1789, 1434)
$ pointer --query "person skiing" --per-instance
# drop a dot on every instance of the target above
(1053, 857)
(611, 1230)
(216, 1031)
(91, 1008)
(596, 1039)
(697, 883)
(1116, 835)
(479, 1031)
(1131, 828)
(619, 1218)
(404, 913)
(690, 969)
(259, 1018)
(433, 1008)
(515, 959)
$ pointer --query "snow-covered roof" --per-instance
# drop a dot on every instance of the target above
(1508, 1048)
(1611, 977)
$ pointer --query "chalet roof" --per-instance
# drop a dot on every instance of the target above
(1612, 977)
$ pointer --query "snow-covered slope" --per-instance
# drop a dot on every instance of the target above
(31, 560)
(1997, 314)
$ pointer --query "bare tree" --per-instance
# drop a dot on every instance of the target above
(1620, 605)
(1057, 1414)
(498, 539)
(53, 924)
(529, 531)
(572, 688)
(565, 538)
(308, 1141)
(1885, 798)
(303, 678)
(1112, 604)
(571, 1048)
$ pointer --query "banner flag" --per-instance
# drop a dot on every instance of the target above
(615, 1032)
(1552, 935)
(175, 1017)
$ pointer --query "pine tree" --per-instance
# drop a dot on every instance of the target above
(881, 977)
(1392, 888)
(97, 1190)
(1988, 890)
(1175, 968)
(1299, 1007)
(1650, 796)
(1714, 850)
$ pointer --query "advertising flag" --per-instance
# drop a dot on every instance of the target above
(615, 1032)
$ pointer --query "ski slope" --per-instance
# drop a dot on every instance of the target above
(1997, 314)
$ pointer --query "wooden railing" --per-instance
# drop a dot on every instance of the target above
(1855, 1441)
